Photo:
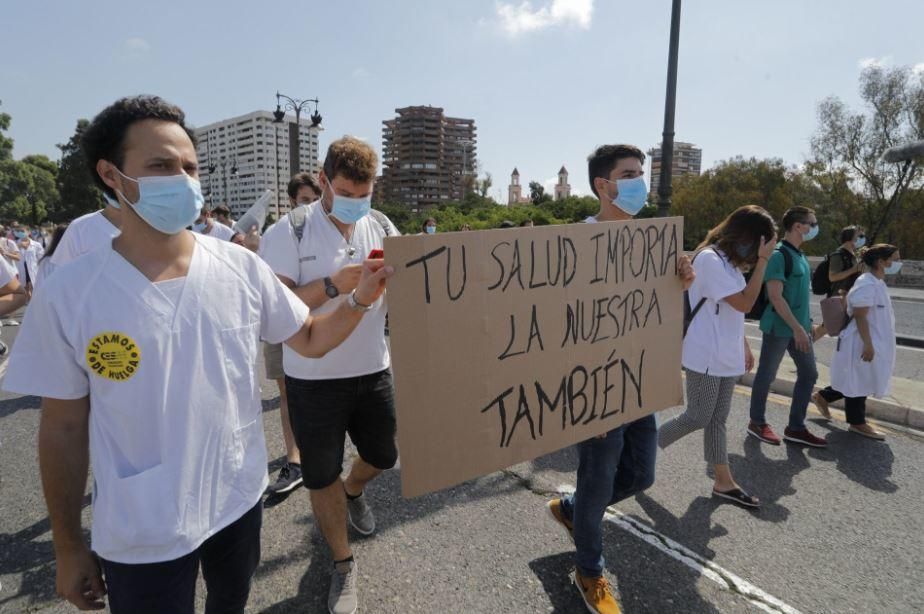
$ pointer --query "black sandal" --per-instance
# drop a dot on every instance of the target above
(736, 495)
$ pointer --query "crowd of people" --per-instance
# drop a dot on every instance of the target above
(147, 317)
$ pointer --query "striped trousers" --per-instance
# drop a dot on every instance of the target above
(708, 403)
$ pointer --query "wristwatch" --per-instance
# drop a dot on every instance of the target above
(355, 305)
(330, 289)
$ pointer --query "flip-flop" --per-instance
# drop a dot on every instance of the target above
(736, 495)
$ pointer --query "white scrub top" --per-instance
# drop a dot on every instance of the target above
(28, 259)
(87, 233)
(219, 231)
(176, 436)
(850, 375)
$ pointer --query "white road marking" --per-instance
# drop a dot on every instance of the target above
(3, 369)
(706, 568)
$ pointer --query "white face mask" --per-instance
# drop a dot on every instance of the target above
(893, 268)
(168, 204)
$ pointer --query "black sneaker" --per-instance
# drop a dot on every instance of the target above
(289, 478)
(3, 349)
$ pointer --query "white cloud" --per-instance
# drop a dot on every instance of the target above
(516, 19)
(918, 69)
(136, 45)
(874, 62)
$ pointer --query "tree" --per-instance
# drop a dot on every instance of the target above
(27, 189)
(79, 194)
(483, 185)
(847, 147)
(6, 143)
(705, 200)
(537, 193)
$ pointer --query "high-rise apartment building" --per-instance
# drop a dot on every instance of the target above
(427, 158)
(688, 160)
(241, 157)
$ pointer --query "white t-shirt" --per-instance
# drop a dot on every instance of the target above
(9, 246)
(322, 252)
(219, 231)
(28, 259)
(176, 434)
(85, 234)
(714, 344)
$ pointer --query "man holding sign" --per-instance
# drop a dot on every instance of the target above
(620, 463)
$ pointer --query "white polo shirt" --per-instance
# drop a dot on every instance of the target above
(85, 234)
(176, 434)
(322, 252)
(714, 344)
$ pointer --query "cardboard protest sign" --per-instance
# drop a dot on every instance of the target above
(510, 344)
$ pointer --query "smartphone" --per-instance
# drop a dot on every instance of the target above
(376, 254)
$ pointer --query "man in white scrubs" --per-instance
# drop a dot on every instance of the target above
(207, 225)
(144, 352)
(350, 390)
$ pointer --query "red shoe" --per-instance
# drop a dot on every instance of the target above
(804, 437)
(764, 433)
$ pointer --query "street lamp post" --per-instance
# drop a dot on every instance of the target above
(224, 172)
(292, 104)
(670, 103)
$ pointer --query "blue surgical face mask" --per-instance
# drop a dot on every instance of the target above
(431, 230)
(111, 201)
(744, 249)
(199, 227)
(860, 242)
(893, 268)
(631, 195)
(349, 210)
(19, 234)
(167, 204)
(811, 234)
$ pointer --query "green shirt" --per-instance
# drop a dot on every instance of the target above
(796, 291)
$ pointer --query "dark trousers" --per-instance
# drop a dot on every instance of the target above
(854, 407)
(229, 559)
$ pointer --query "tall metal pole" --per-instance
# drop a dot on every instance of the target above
(276, 191)
(667, 139)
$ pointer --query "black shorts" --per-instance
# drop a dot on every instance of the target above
(322, 412)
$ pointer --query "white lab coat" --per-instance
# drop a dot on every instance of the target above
(850, 375)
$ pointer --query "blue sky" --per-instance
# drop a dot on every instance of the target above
(546, 81)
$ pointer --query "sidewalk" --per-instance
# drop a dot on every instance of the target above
(904, 406)
(914, 295)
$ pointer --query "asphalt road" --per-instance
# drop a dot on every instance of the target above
(839, 532)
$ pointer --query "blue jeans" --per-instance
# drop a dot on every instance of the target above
(610, 469)
(772, 349)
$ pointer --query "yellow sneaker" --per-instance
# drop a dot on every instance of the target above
(596, 594)
(554, 508)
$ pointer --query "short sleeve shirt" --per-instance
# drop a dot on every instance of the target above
(796, 291)
(322, 252)
(175, 424)
(714, 343)
(83, 235)
(840, 261)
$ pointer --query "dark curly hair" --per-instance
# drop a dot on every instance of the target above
(604, 159)
(104, 138)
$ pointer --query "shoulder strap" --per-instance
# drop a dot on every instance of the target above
(787, 261)
(382, 220)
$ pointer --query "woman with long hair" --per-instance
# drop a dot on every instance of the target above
(715, 351)
(865, 356)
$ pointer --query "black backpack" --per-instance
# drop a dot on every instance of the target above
(821, 282)
(763, 299)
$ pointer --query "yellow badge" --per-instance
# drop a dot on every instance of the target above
(114, 356)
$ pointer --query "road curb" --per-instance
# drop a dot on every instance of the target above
(909, 341)
(880, 409)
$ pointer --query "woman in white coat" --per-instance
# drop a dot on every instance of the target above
(865, 356)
